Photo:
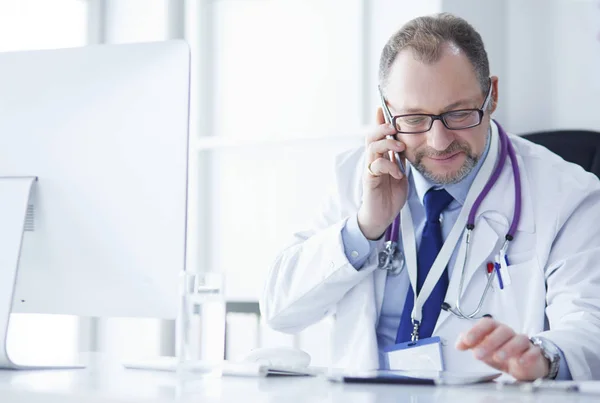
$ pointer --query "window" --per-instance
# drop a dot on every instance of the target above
(284, 70)
(136, 20)
(286, 67)
(41, 24)
(285, 98)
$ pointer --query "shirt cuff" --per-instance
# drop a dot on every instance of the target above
(356, 246)
(564, 374)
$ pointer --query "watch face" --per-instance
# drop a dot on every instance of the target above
(549, 348)
(551, 352)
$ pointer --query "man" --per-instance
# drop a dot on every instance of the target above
(435, 81)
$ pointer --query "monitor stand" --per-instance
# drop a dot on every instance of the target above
(15, 196)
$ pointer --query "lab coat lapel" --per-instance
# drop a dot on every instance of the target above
(483, 242)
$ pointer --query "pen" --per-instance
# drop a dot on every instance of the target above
(500, 282)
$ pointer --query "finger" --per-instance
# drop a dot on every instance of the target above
(493, 341)
(515, 347)
(379, 117)
(477, 333)
(382, 166)
(530, 366)
(379, 133)
(381, 147)
(531, 355)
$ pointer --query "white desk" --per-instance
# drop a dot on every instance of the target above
(107, 382)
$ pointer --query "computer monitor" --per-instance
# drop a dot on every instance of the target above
(104, 129)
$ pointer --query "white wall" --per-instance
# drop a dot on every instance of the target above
(547, 54)
(516, 35)
(384, 19)
(576, 63)
(489, 18)
(136, 20)
(530, 75)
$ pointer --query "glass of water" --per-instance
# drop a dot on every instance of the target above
(200, 324)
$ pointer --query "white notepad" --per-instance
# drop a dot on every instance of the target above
(229, 368)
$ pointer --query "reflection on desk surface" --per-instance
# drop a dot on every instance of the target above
(106, 381)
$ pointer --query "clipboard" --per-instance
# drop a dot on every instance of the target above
(433, 378)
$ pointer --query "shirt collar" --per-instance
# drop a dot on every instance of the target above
(458, 190)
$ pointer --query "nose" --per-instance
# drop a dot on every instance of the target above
(439, 138)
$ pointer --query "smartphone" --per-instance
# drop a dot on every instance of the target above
(393, 155)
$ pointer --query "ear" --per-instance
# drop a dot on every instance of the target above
(494, 100)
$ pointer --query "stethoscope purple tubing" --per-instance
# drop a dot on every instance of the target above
(506, 149)
(517, 179)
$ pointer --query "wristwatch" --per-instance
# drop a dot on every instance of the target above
(550, 352)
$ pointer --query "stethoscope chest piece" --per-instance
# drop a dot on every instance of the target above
(391, 258)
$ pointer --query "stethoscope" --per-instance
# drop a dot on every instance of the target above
(392, 259)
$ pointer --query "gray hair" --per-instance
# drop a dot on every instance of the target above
(427, 35)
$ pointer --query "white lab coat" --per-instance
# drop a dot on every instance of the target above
(555, 268)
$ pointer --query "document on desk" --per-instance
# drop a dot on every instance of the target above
(586, 387)
(231, 368)
(414, 377)
(228, 368)
(592, 387)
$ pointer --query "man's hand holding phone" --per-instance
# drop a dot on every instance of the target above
(385, 188)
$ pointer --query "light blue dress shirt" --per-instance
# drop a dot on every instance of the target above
(357, 249)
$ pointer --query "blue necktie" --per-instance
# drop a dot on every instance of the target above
(435, 202)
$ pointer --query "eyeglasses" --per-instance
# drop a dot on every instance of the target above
(416, 123)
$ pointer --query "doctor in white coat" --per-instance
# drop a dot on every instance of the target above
(435, 81)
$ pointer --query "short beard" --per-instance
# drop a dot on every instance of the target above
(450, 177)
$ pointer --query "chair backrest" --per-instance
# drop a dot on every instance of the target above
(581, 147)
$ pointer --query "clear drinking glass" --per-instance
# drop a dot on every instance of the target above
(200, 334)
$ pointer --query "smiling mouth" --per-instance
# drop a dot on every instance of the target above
(445, 157)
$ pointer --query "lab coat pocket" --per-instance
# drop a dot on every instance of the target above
(523, 282)
(508, 275)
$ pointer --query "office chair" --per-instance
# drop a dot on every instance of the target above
(581, 147)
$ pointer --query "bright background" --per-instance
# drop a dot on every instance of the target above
(279, 88)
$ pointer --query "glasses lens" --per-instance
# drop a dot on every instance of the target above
(462, 119)
(413, 123)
